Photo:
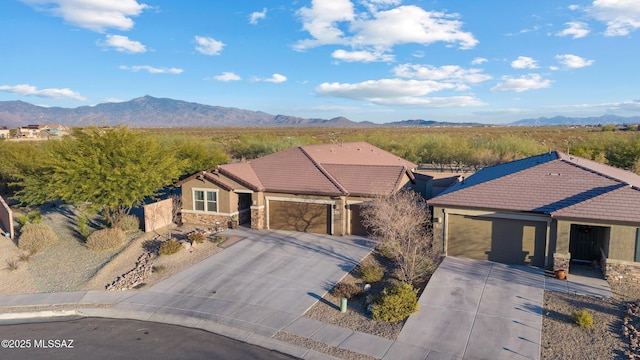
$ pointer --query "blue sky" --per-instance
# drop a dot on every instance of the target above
(376, 60)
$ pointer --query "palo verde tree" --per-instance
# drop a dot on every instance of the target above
(109, 169)
(401, 223)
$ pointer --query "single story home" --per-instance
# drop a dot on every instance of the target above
(546, 211)
(311, 188)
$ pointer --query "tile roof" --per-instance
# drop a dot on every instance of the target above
(555, 183)
(622, 204)
(356, 168)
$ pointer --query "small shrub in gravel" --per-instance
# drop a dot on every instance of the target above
(12, 265)
(583, 318)
(130, 223)
(169, 247)
(385, 250)
(82, 223)
(36, 237)
(23, 219)
(35, 217)
(196, 237)
(395, 304)
(346, 290)
(105, 239)
(24, 257)
(371, 273)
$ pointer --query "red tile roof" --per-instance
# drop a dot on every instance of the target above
(555, 183)
(356, 168)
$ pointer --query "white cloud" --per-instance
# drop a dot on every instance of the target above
(573, 7)
(362, 56)
(95, 15)
(336, 23)
(114, 100)
(227, 76)
(621, 16)
(398, 92)
(447, 73)
(52, 93)
(575, 29)
(523, 83)
(123, 44)
(478, 61)
(208, 46)
(573, 61)
(151, 69)
(257, 15)
(524, 62)
(276, 78)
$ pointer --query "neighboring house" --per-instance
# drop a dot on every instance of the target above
(4, 132)
(30, 131)
(42, 131)
(545, 211)
(312, 188)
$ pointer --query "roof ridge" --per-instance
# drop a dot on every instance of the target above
(591, 166)
(620, 187)
(324, 171)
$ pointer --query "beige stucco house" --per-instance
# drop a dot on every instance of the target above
(311, 188)
(546, 210)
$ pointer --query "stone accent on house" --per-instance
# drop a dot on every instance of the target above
(257, 217)
(561, 261)
(206, 219)
(622, 270)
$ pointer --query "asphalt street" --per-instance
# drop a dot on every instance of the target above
(95, 338)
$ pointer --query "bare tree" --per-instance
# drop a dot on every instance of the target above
(401, 223)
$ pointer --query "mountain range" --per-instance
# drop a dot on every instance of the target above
(148, 111)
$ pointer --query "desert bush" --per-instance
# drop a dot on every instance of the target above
(583, 318)
(105, 239)
(346, 290)
(196, 237)
(24, 257)
(217, 239)
(12, 265)
(395, 303)
(23, 219)
(36, 237)
(82, 223)
(130, 223)
(371, 273)
(169, 247)
(35, 217)
(385, 250)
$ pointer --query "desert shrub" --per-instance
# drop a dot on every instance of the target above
(35, 217)
(196, 237)
(395, 303)
(346, 290)
(105, 239)
(385, 250)
(23, 219)
(169, 247)
(36, 237)
(82, 223)
(217, 239)
(583, 318)
(12, 265)
(130, 223)
(371, 273)
(24, 257)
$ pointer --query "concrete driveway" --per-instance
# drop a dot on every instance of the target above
(260, 284)
(477, 310)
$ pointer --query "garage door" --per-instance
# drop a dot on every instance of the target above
(299, 216)
(357, 228)
(502, 240)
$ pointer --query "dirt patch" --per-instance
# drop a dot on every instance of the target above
(563, 339)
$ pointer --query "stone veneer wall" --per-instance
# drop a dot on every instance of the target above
(622, 270)
(561, 261)
(205, 219)
(257, 218)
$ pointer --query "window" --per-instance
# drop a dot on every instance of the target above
(204, 200)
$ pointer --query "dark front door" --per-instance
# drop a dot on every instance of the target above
(586, 241)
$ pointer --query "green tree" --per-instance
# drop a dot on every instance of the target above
(109, 169)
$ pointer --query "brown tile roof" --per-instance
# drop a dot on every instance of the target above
(546, 183)
(620, 205)
(331, 169)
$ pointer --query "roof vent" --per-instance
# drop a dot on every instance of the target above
(553, 174)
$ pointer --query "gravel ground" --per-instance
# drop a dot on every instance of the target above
(563, 339)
